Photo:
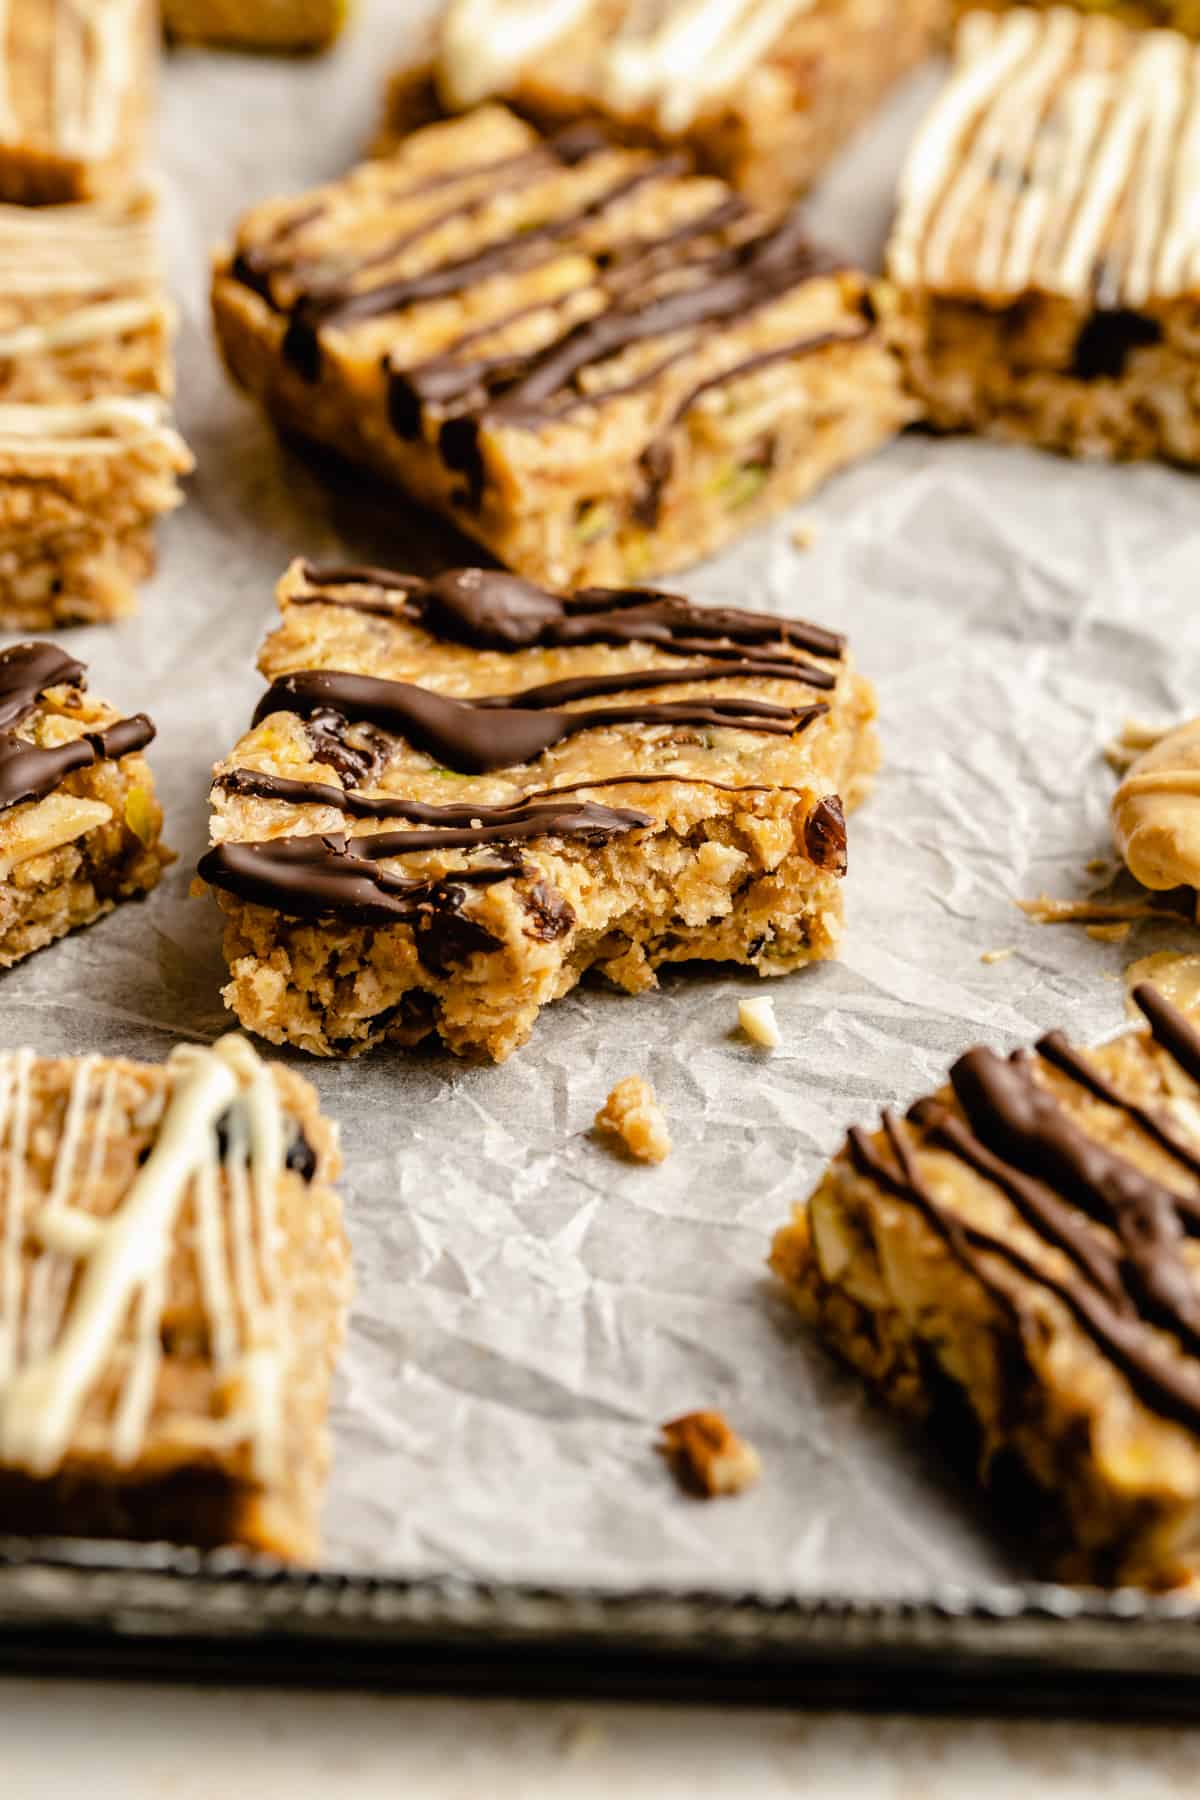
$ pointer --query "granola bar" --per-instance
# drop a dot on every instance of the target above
(80, 823)
(1020, 1250)
(762, 93)
(256, 24)
(88, 455)
(173, 1279)
(597, 365)
(76, 88)
(1046, 246)
(428, 833)
(1156, 812)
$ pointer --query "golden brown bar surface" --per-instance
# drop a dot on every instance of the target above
(1027, 1240)
(76, 93)
(256, 24)
(596, 364)
(175, 1277)
(428, 832)
(1171, 15)
(763, 95)
(1045, 247)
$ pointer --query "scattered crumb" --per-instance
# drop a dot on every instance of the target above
(995, 956)
(757, 1019)
(1046, 910)
(1101, 865)
(1116, 933)
(1134, 737)
(633, 1113)
(581, 1737)
(708, 1456)
(804, 535)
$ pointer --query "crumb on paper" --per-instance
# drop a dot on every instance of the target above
(1046, 910)
(804, 534)
(708, 1456)
(1116, 933)
(1101, 865)
(632, 1112)
(1134, 737)
(757, 1019)
(998, 956)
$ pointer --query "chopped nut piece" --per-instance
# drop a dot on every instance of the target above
(708, 1456)
(998, 956)
(632, 1112)
(1116, 933)
(804, 535)
(757, 1020)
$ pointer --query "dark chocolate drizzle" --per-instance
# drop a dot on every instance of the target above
(489, 609)
(1126, 1279)
(31, 771)
(498, 731)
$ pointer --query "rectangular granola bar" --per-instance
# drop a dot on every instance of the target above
(1046, 245)
(76, 90)
(762, 93)
(460, 795)
(597, 365)
(1171, 15)
(256, 24)
(1021, 1249)
(88, 456)
(80, 825)
(173, 1279)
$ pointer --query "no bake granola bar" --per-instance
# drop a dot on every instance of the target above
(79, 821)
(1156, 813)
(1172, 15)
(88, 456)
(428, 832)
(173, 1279)
(76, 87)
(595, 364)
(1046, 243)
(256, 24)
(1021, 1249)
(762, 93)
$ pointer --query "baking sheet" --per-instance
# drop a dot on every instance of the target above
(530, 1307)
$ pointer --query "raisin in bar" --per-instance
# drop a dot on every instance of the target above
(256, 24)
(459, 795)
(595, 364)
(1046, 247)
(762, 93)
(76, 86)
(79, 821)
(89, 458)
(175, 1276)
(1173, 15)
(1024, 1242)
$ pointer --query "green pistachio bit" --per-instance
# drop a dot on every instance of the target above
(592, 521)
(738, 485)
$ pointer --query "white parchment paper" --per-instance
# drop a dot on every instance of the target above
(529, 1307)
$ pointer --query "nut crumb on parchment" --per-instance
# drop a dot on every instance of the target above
(758, 1022)
(708, 1456)
(633, 1114)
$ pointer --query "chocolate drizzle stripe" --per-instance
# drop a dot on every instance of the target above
(499, 731)
(31, 771)
(462, 826)
(1170, 1028)
(1058, 1053)
(1168, 1388)
(492, 610)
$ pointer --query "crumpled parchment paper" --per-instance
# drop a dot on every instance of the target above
(530, 1307)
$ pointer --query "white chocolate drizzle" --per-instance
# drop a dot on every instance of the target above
(94, 50)
(1063, 158)
(667, 61)
(104, 424)
(98, 1283)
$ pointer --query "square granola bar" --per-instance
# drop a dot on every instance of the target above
(174, 1275)
(80, 825)
(1046, 246)
(76, 93)
(459, 795)
(88, 455)
(596, 364)
(762, 93)
(1020, 1251)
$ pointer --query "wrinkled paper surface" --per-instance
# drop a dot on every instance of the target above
(530, 1306)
